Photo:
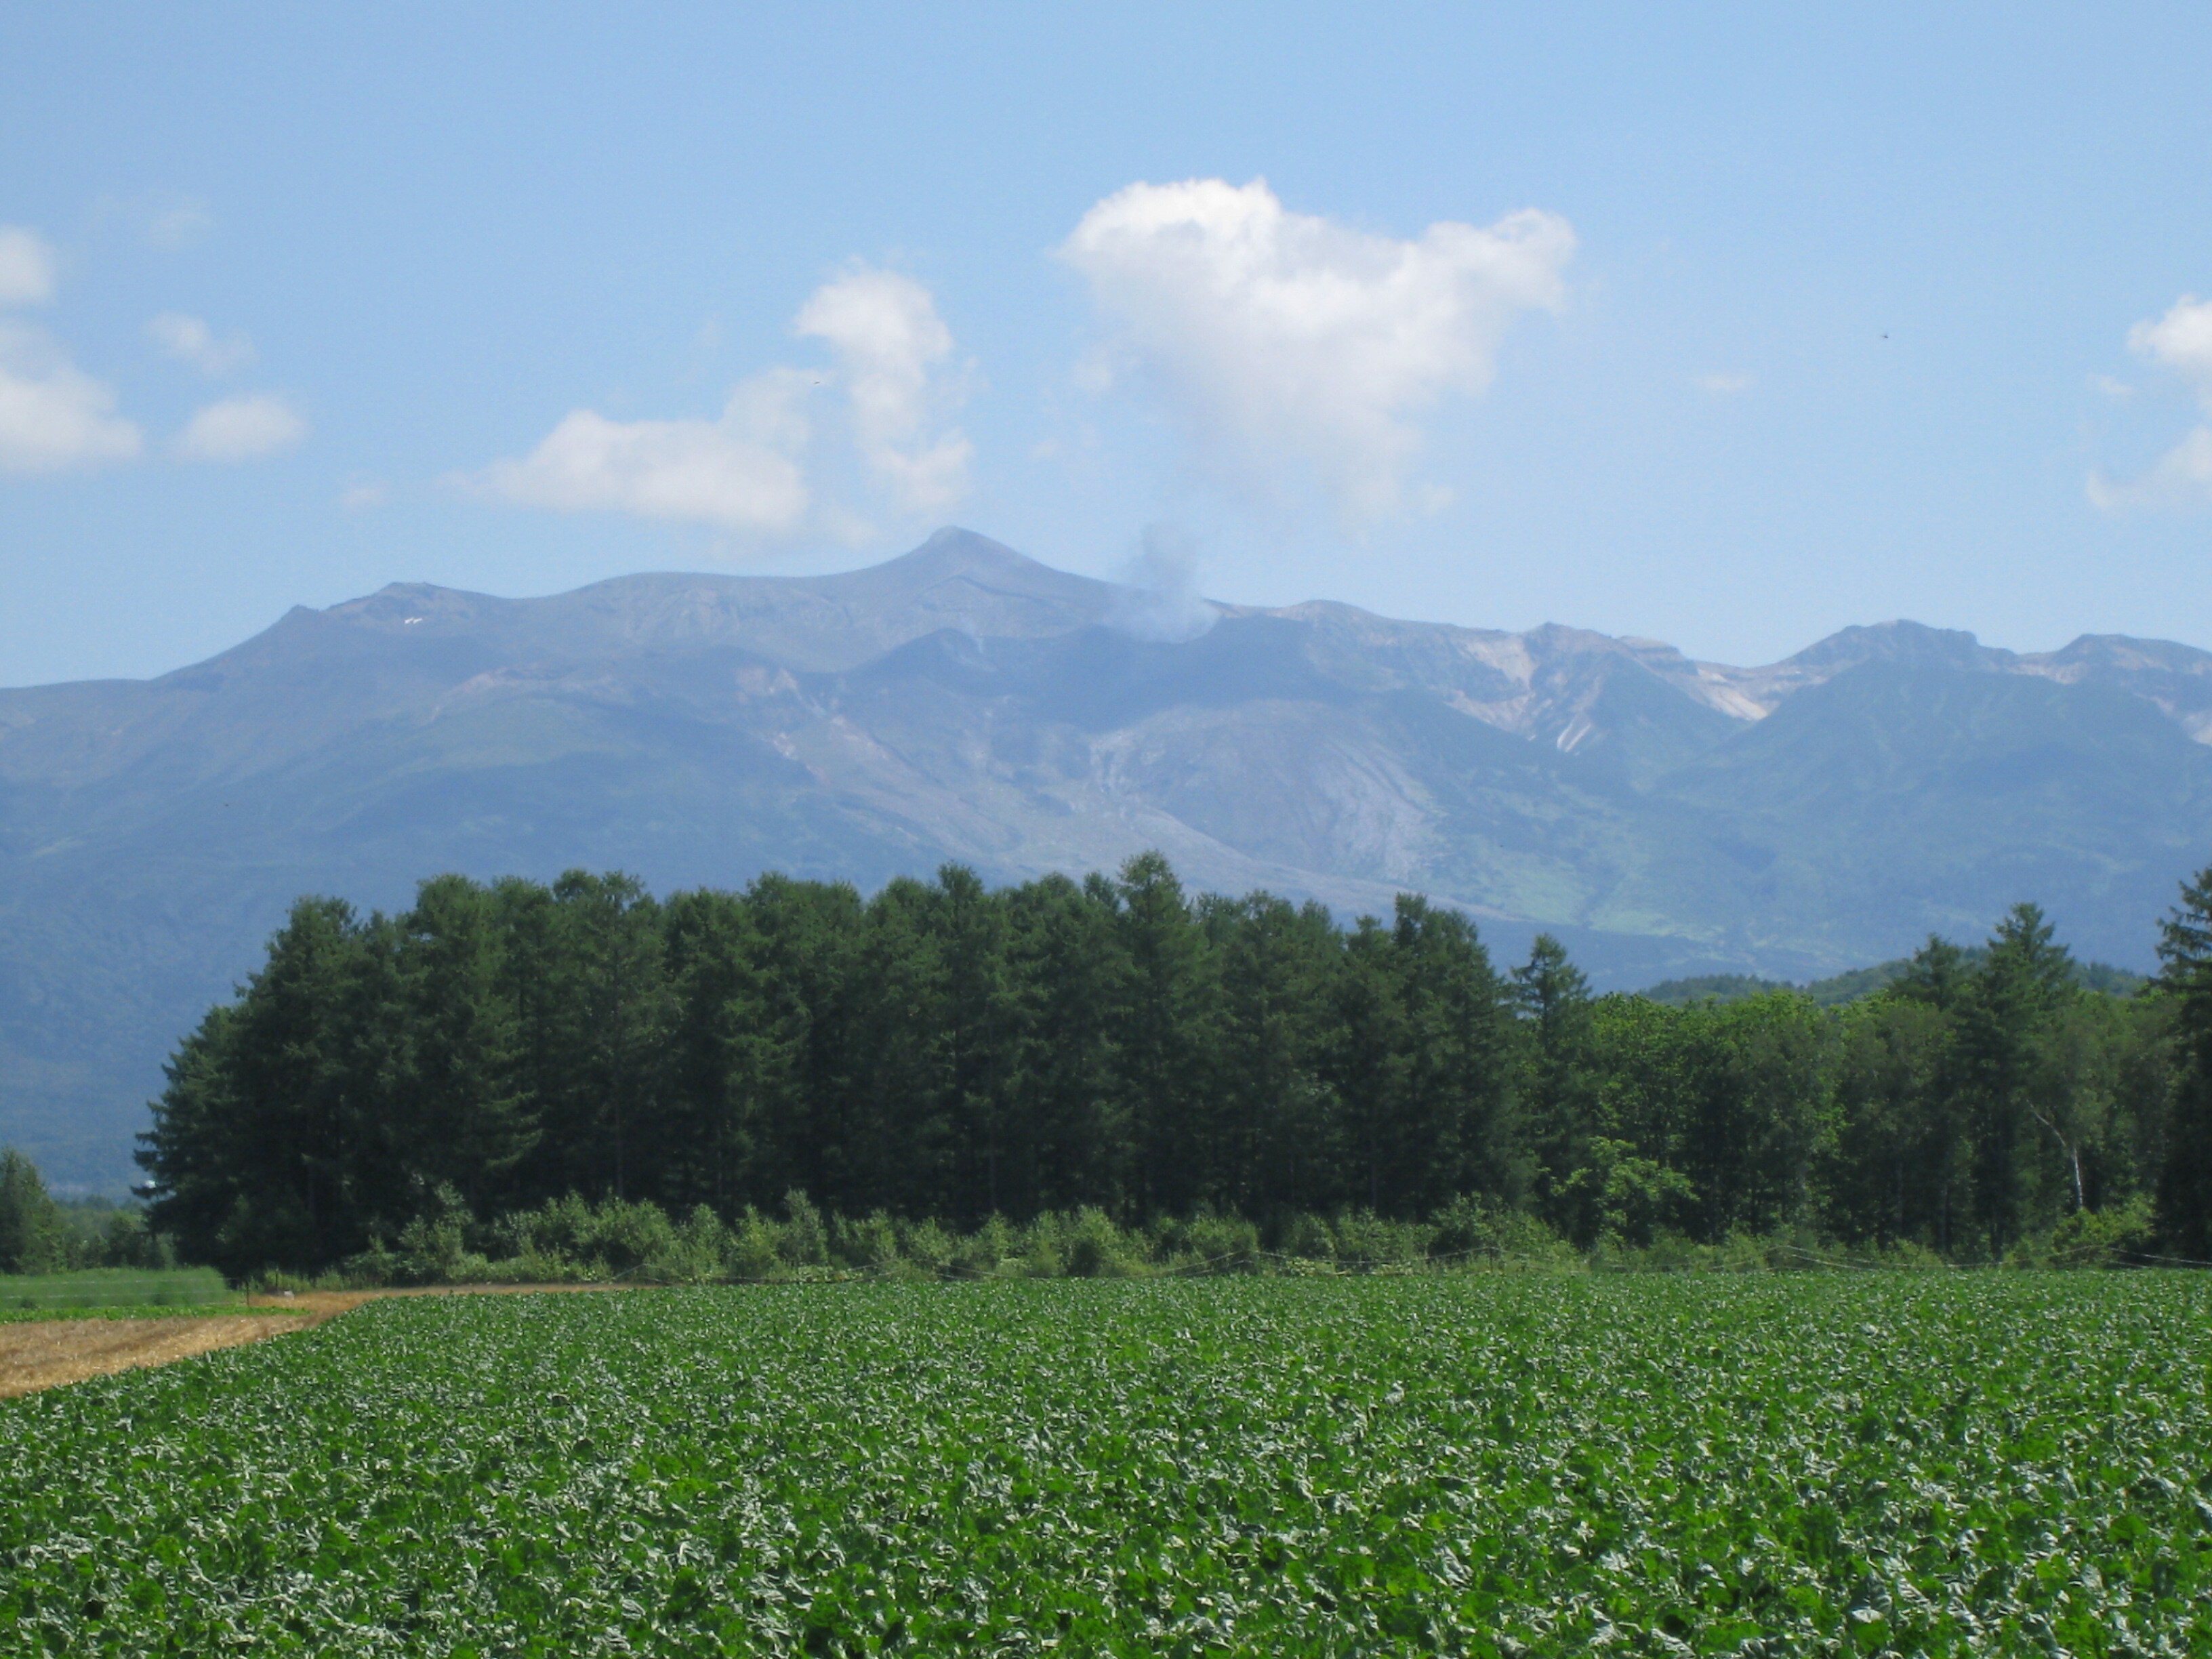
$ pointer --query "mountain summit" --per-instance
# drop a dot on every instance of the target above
(964, 702)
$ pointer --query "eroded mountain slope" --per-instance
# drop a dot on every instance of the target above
(964, 702)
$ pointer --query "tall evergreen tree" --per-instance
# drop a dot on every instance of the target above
(534, 975)
(2004, 1022)
(2185, 1180)
(1071, 973)
(1938, 977)
(980, 1012)
(894, 1146)
(1270, 1129)
(810, 936)
(612, 1023)
(1557, 1087)
(1890, 1169)
(1772, 1065)
(1452, 1129)
(1937, 973)
(1367, 1071)
(2144, 1067)
(1166, 1037)
(268, 1118)
(729, 1057)
(460, 1112)
(30, 1221)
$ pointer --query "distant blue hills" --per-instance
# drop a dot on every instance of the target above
(1668, 819)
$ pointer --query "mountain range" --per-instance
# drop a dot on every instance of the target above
(1664, 817)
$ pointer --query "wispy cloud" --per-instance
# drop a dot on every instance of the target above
(748, 469)
(2180, 343)
(27, 267)
(1725, 385)
(54, 417)
(189, 340)
(739, 472)
(889, 342)
(1291, 349)
(179, 222)
(245, 427)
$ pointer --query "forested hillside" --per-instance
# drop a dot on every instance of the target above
(1663, 818)
(949, 1050)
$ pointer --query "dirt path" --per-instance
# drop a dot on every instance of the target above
(43, 1353)
(46, 1353)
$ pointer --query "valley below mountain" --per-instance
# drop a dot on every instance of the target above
(1665, 818)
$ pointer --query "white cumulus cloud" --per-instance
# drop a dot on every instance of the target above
(189, 340)
(889, 339)
(739, 473)
(245, 428)
(747, 470)
(27, 267)
(2180, 477)
(1290, 346)
(2181, 341)
(54, 417)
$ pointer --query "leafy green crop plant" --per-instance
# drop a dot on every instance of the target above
(1923, 1463)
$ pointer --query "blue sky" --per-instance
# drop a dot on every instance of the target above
(1730, 327)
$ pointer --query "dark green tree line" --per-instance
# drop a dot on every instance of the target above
(40, 1234)
(2184, 1192)
(946, 1049)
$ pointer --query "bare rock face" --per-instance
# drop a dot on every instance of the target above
(964, 702)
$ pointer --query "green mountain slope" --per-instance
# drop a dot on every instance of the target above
(1666, 817)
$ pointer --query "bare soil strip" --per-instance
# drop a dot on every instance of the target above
(46, 1353)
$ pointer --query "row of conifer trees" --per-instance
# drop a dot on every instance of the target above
(947, 1050)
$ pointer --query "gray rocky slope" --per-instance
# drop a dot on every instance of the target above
(1664, 816)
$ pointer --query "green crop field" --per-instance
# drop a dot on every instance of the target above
(1769, 1465)
(33, 1295)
